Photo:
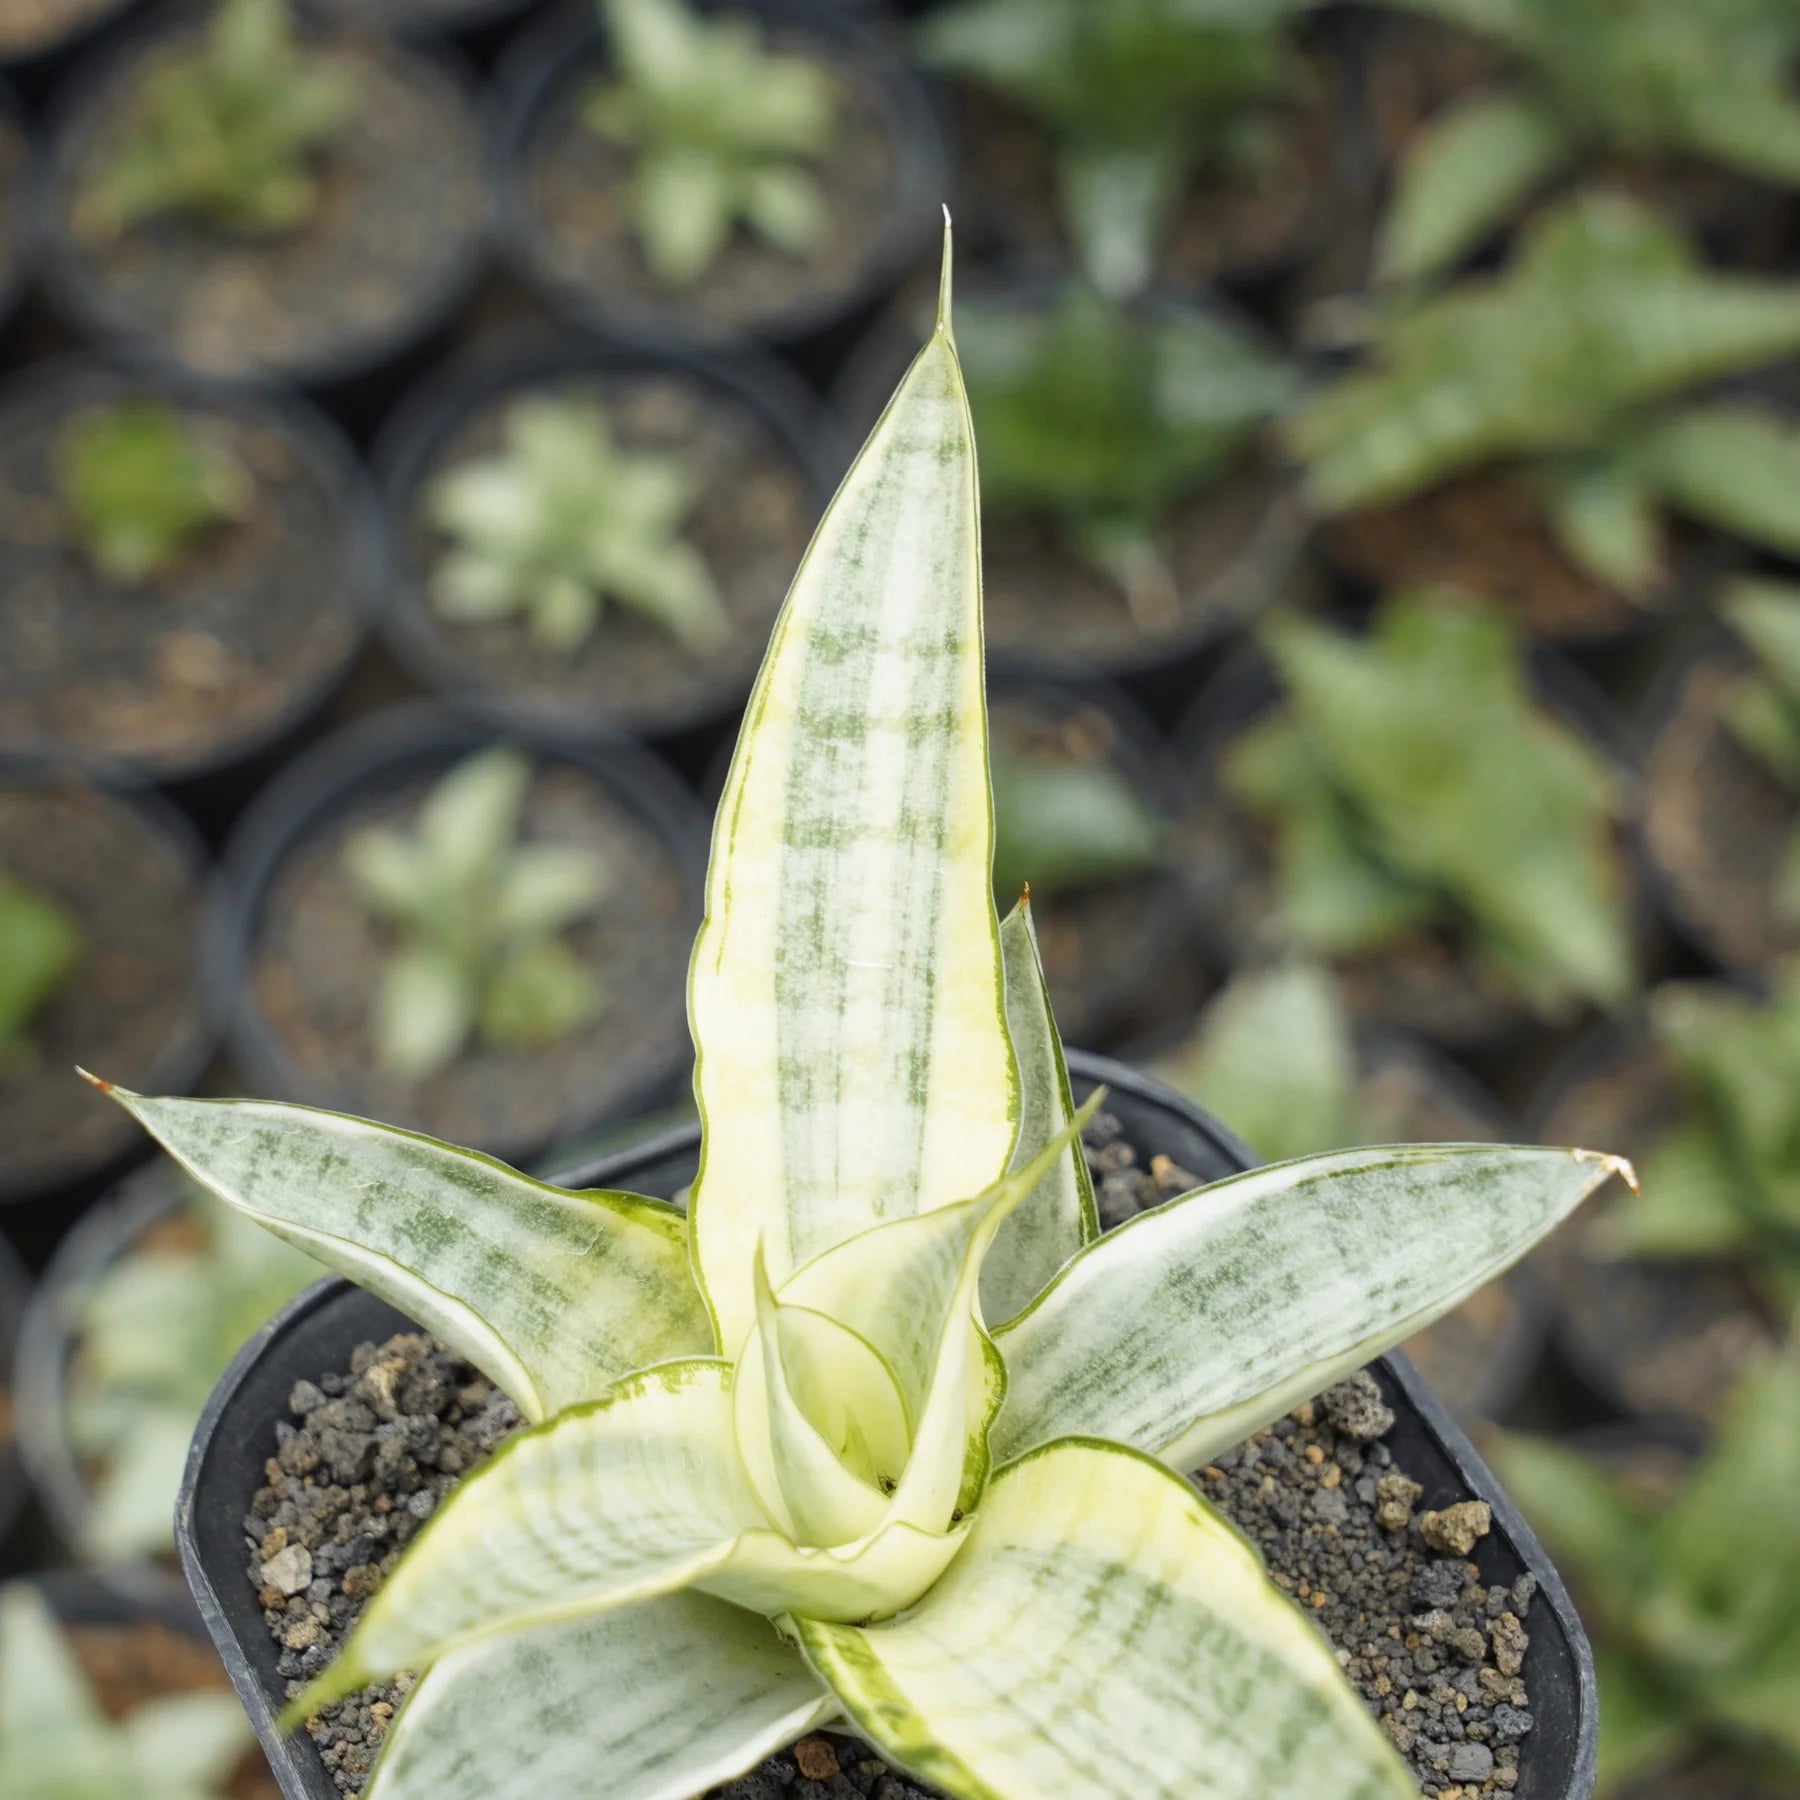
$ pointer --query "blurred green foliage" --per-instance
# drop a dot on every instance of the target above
(722, 132)
(228, 134)
(1104, 421)
(1654, 79)
(1414, 785)
(1138, 97)
(1691, 1607)
(477, 917)
(40, 944)
(1764, 713)
(143, 487)
(1563, 368)
(561, 520)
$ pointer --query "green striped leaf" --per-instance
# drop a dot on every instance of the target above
(1106, 1633)
(1194, 1325)
(659, 1702)
(552, 1293)
(852, 1058)
(1059, 1217)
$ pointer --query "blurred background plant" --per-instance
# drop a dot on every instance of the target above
(40, 945)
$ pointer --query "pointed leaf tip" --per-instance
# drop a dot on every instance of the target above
(1617, 1165)
(93, 1080)
(946, 272)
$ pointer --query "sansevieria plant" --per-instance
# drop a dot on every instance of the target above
(882, 1429)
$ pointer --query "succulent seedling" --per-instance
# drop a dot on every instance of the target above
(1414, 785)
(722, 132)
(478, 921)
(40, 944)
(1659, 80)
(1139, 98)
(143, 486)
(1569, 369)
(228, 134)
(880, 1429)
(560, 521)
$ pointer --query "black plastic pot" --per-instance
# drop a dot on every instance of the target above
(324, 1325)
(348, 569)
(1244, 688)
(749, 384)
(348, 371)
(15, 1300)
(549, 66)
(385, 753)
(1160, 669)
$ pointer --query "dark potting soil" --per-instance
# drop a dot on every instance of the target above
(1229, 226)
(1666, 1339)
(208, 654)
(130, 1009)
(576, 186)
(403, 198)
(1485, 534)
(318, 953)
(366, 1455)
(751, 519)
(1717, 825)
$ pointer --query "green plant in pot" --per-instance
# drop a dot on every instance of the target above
(477, 920)
(1571, 373)
(881, 1429)
(152, 1335)
(228, 135)
(1415, 788)
(142, 488)
(40, 946)
(560, 522)
(57, 1744)
(1695, 1637)
(1663, 81)
(1139, 98)
(722, 132)
(1102, 421)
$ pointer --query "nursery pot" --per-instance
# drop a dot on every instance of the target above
(15, 1299)
(321, 1328)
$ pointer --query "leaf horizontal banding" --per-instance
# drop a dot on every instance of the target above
(1194, 1325)
(852, 1059)
(659, 1701)
(1105, 1633)
(554, 1294)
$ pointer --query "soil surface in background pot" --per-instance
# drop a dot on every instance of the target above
(318, 954)
(367, 1454)
(576, 190)
(1664, 1339)
(1229, 227)
(1717, 825)
(214, 651)
(30, 27)
(147, 1660)
(751, 520)
(1486, 534)
(402, 206)
(130, 1010)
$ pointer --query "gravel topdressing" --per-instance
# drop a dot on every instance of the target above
(367, 1454)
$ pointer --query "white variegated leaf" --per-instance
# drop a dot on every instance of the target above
(660, 1701)
(1193, 1325)
(555, 1294)
(1105, 1633)
(1060, 1217)
(852, 1063)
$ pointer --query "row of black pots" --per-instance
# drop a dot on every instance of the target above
(318, 1332)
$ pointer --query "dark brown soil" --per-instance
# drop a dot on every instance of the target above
(401, 212)
(365, 1456)
(131, 1010)
(575, 186)
(29, 26)
(1230, 227)
(1666, 1339)
(1485, 534)
(1716, 824)
(751, 522)
(317, 955)
(131, 1664)
(213, 653)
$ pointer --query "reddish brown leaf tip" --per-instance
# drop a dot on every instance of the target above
(106, 1087)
